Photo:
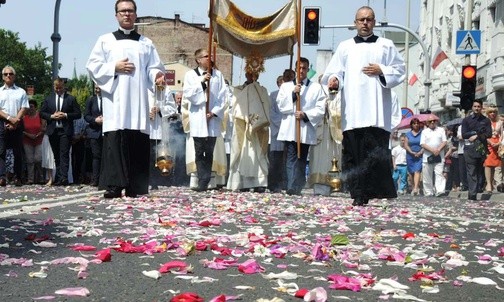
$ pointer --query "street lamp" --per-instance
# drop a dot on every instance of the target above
(56, 37)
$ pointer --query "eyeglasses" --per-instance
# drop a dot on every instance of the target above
(8, 74)
(431, 122)
(126, 11)
(362, 20)
(204, 57)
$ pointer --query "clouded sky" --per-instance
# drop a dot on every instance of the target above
(82, 21)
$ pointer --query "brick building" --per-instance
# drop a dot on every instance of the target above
(176, 42)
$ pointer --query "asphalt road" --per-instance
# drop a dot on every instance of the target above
(458, 245)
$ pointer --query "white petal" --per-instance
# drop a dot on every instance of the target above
(283, 275)
(498, 269)
(152, 274)
(483, 281)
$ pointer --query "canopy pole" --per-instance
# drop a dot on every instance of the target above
(210, 34)
(298, 64)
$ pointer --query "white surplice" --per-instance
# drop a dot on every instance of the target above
(197, 97)
(312, 104)
(125, 100)
(328, 147)
(366, 101)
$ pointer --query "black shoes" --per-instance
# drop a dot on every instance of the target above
(360, 202)
(112, 192)
(61, 183)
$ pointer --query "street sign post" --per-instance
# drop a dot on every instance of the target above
(468, 42)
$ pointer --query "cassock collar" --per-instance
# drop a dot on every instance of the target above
(368, 39)
(126, 34)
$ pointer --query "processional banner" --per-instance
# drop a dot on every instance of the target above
(243, 35)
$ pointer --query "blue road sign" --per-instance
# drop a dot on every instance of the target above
(468, 42)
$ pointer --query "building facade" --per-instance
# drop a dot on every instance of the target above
(176, 42)
(439, 23)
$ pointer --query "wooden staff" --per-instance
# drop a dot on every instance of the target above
(298, 64)
(210, 33)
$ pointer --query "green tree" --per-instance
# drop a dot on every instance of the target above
(81, 88)
(33, 65)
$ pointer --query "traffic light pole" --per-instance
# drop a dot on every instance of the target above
(427, 67)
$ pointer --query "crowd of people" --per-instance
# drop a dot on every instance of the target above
(464, 156)
(134, 130)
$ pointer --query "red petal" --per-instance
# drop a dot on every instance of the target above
(104, 255)
(301, 293)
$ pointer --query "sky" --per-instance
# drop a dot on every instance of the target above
(82, 21)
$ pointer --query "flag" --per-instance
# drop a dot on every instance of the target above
(413, 79)
(438, 57)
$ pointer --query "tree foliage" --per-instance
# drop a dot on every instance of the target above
(81, 88)
(32, 65)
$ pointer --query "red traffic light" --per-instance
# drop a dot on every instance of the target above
(312, 15)
(469, 72)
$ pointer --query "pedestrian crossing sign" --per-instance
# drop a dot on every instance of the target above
(468, 42)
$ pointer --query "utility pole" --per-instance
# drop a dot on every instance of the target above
(56, 38)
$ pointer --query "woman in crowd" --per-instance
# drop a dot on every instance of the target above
(414, 154)
(493, 160)
(34, 128)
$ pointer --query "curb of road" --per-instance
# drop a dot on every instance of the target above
(481, 196)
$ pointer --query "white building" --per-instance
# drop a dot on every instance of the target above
(439, 23)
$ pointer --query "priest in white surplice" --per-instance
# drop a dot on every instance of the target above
(366, 67)
(125, 65)
(205, 125)
(248, 168)
(310, 116)
(328, 146)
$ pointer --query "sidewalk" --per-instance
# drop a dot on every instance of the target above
(497, 196)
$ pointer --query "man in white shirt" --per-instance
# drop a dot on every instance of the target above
(13, 103)
(433, 141)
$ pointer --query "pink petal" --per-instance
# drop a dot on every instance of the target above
(73, 291)
(250, 267)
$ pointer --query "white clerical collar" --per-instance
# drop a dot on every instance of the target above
(126, 31)
(367, 37)
(201, 70)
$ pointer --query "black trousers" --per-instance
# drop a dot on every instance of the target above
(276, 171)
(60, 145)
(204, 148)
(11, 139)
(367, 163)
(475, 171)
(125, 161)
(96, 151)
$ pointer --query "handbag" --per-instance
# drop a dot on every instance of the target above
(434, 159)
(500, 151)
